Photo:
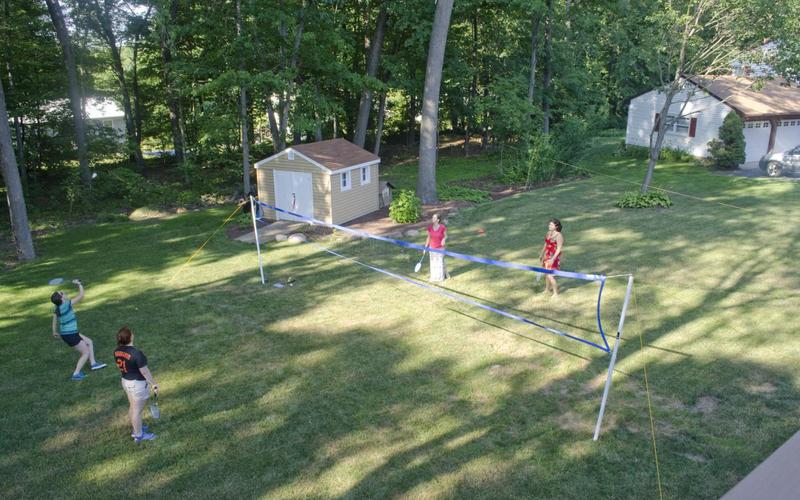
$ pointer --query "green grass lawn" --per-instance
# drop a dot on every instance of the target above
(351, 384)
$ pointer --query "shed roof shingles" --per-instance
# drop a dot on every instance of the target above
(335, 154)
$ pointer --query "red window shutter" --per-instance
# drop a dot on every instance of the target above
(692, 127)
(656, 121)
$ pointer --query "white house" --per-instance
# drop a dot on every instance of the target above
(771, 115)
(99, 112)
(105, 113)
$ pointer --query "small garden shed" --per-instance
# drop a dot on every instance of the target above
(334, 181)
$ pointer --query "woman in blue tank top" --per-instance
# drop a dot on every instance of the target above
(65, 325)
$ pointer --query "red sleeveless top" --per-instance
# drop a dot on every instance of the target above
(550, 247)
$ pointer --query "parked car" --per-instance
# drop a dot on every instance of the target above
(777, 164)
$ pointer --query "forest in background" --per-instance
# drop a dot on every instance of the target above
(226, 83)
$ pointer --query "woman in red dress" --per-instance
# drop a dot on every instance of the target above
(550, 256)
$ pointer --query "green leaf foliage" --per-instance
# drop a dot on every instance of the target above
(651, 199)
(727, 152)
(406, 207)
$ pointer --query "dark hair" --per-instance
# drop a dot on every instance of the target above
(557, 223)
(124, 336)
(57, 300)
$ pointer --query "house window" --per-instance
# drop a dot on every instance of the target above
(345, 177)
(678, 125)
(107, 123)
(749, 125)
(290, 155)
(766, 124)
(758, 125)
(365, 175)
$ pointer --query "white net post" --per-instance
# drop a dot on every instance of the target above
(258, 244)
(613, 358)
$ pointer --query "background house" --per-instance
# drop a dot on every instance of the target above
(334, 181)
(771, 115)
(107, 114)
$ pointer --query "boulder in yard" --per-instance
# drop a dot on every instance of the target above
(297, 238)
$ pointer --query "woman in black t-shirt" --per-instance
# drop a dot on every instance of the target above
(136, 375)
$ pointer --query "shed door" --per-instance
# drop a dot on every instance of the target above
(293, 192)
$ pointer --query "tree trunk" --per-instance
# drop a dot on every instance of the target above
(655, 145)
(411, 131)
(137, 106)
(534, 49)
(473, 87)
(245, 139)
(134, 146)
(105, 29)
(286, 96)
(548, 69)
(14, 195)
(379, 125)
(54, 8)
(372, 69)
(175, 118)
(429, 128)
(274, 131)
(23, 174)
(243, 112)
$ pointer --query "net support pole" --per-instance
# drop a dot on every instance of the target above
(613, 357)
(258, 244)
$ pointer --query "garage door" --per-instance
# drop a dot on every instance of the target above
(756, 137)
(787, 136)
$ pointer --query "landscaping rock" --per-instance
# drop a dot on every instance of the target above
(412, 232)
(297, 238)
(281, 237)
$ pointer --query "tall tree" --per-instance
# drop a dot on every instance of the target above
(243, 119)
(57, 16)
(548, 67)
(365, 105)
(429, 128)
(166, 17)
(14, 194)
(103, 21)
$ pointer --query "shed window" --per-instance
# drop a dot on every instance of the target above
(290, 155)
(345, 177)
(365, 175)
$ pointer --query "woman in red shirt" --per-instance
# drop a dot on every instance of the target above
(550, 256)
(437, 238)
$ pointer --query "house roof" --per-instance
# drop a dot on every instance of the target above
(775, 98)
(331, 156)
(98, 108)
